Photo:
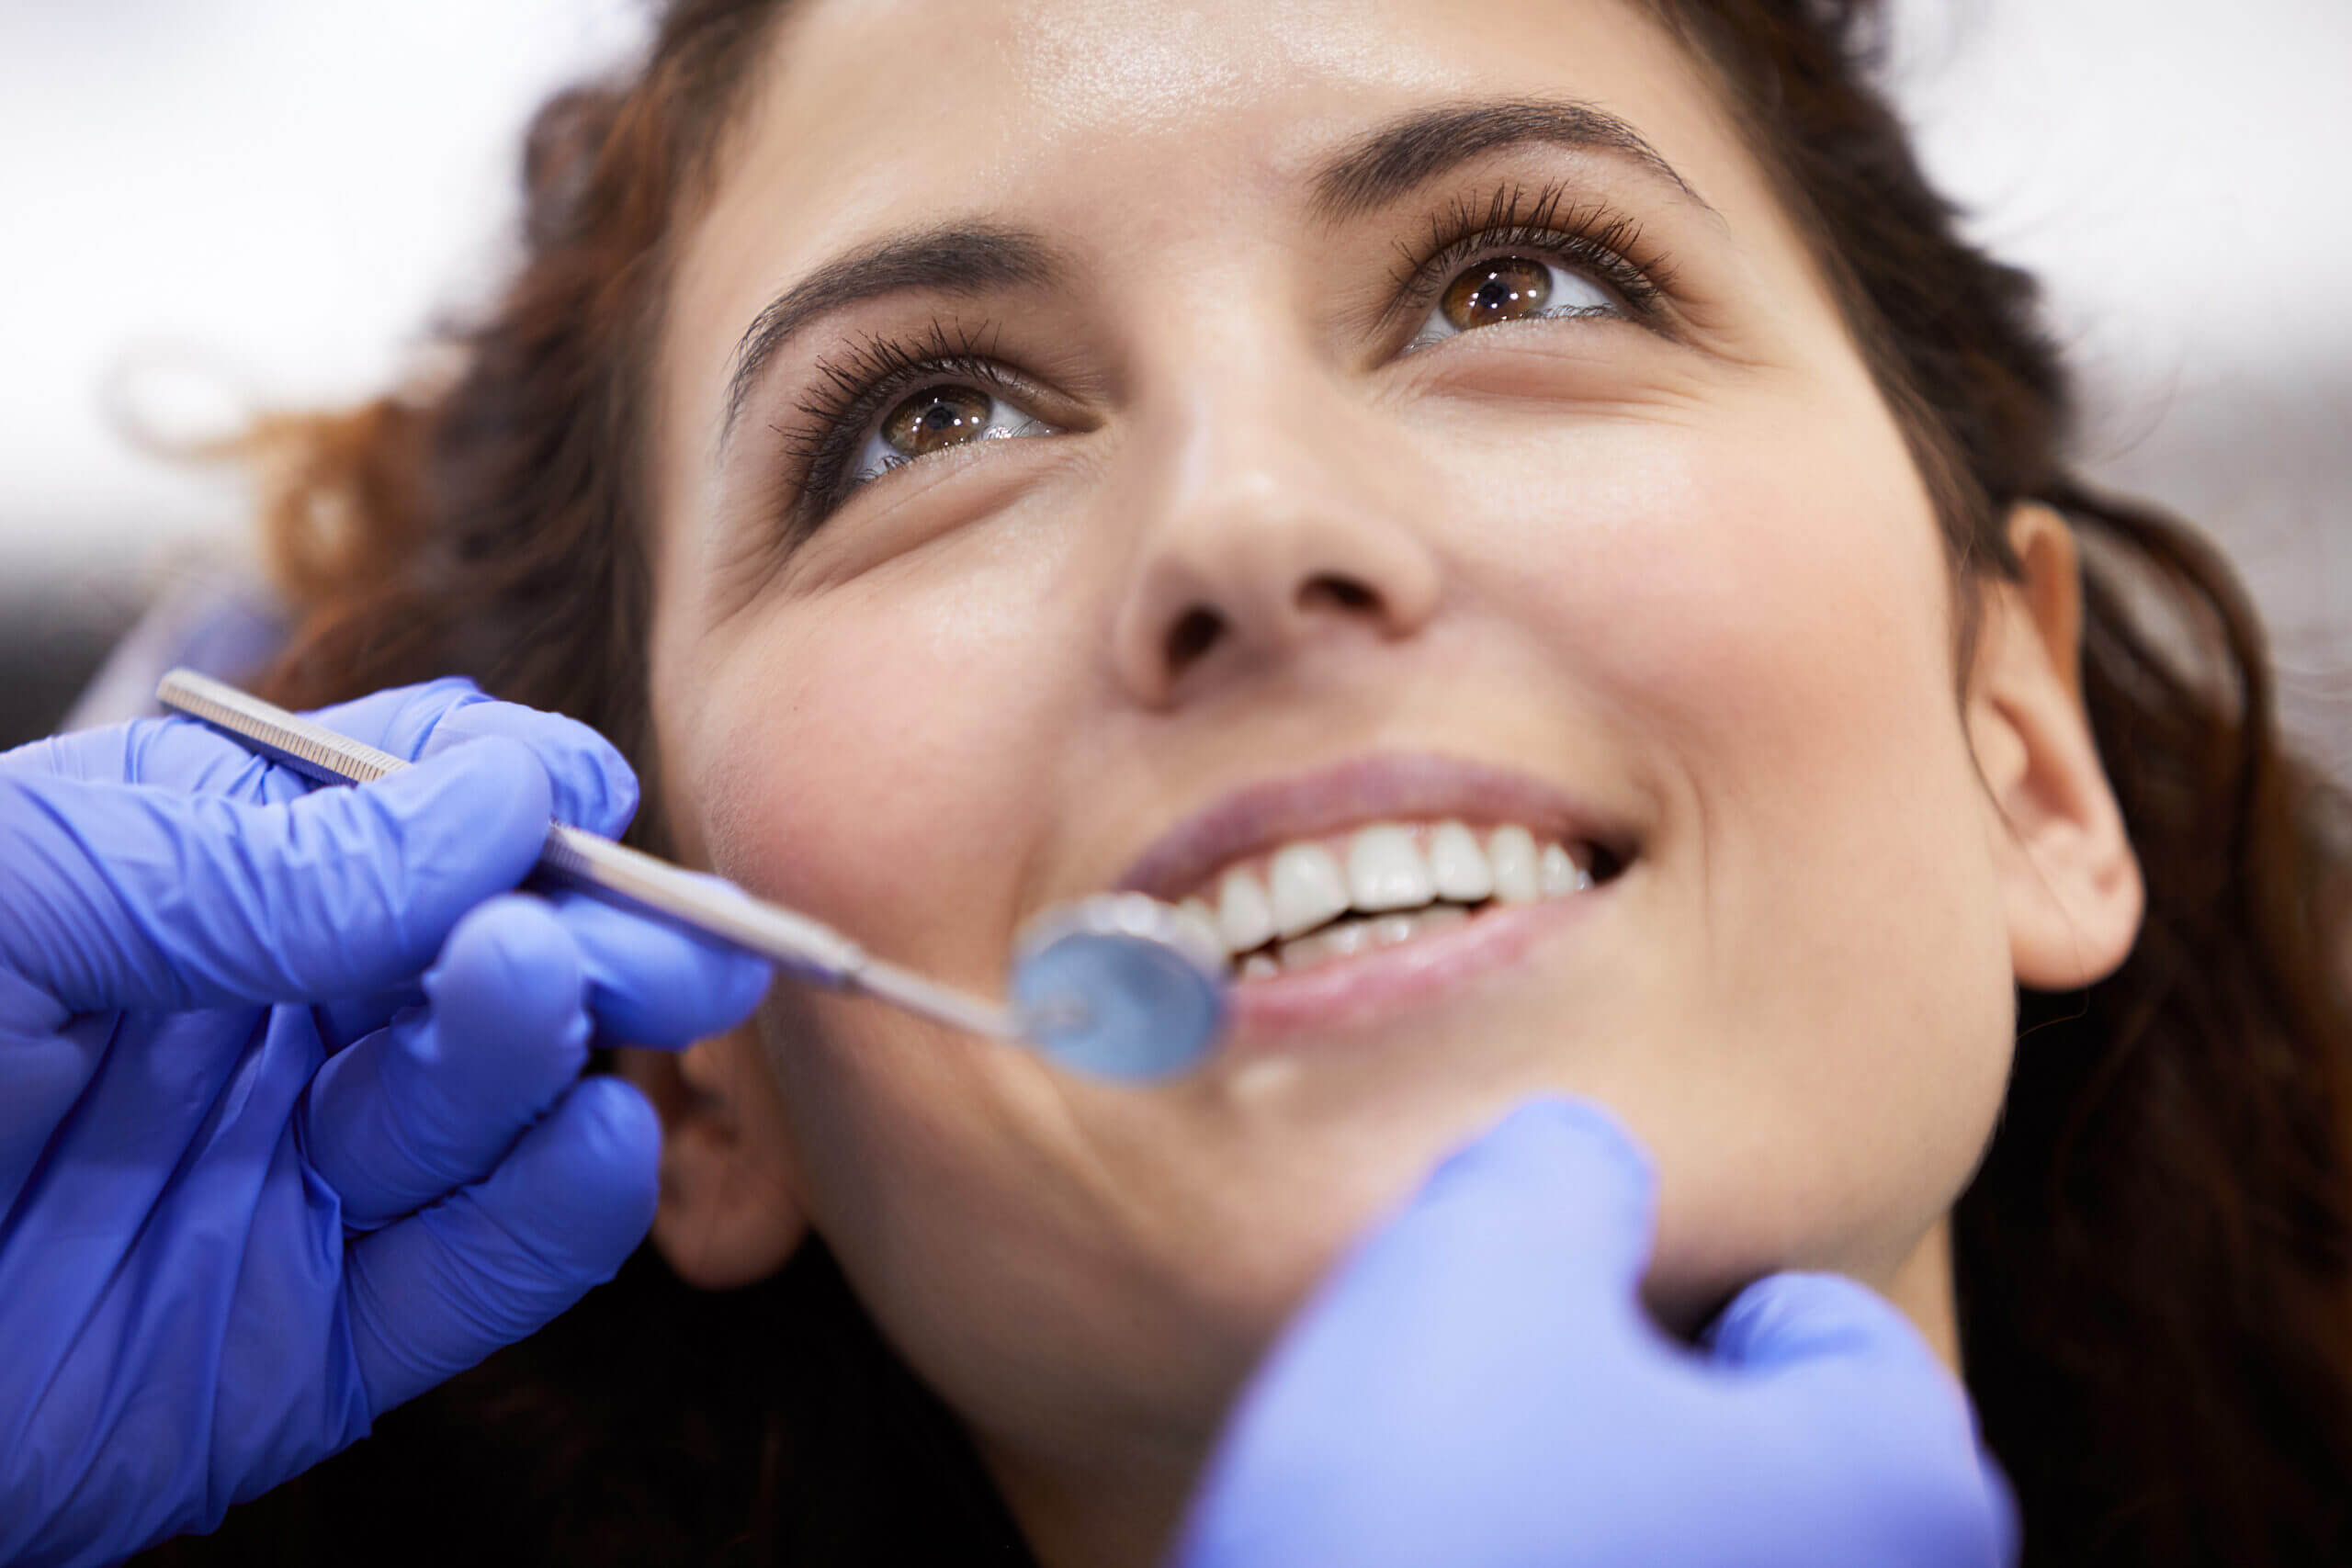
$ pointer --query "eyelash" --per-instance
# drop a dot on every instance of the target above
(1590, 237)
(858, 387)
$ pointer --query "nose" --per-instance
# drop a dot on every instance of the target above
(1265, 526)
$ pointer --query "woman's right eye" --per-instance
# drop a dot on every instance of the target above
(934, 419)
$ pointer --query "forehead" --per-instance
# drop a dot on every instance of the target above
(866, 109)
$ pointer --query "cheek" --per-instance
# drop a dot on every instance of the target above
(1759, 611)
(858, 753)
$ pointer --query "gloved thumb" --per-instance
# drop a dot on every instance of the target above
(1845, 1355)
(126, 896)
(1539, 1227)
(1794, 1319)
(1556, 1197)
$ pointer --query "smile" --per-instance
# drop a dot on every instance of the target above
(1345, 894)
(1312, 902)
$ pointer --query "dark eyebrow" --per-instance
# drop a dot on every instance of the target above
(1386, 162)
(960, 259)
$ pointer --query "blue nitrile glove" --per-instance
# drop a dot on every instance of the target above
(1479, 1386)
(233, 1233)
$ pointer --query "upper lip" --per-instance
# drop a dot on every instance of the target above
(1421, 786)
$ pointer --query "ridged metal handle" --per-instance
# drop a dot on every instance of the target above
(309, 747)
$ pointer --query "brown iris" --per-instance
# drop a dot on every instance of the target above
(937, 417)
(1508, 289)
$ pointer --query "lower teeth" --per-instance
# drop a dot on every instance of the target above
(1362, 934)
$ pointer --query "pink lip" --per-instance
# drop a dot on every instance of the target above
(1362, 989)
(1261, 816)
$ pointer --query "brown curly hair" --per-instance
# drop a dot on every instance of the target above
(2155, 1285)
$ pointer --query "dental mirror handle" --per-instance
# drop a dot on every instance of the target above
(804, 948)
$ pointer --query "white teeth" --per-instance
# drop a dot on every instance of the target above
(1558, 874)
(1243, 916)
(1307, 889)
(1386, 871)
(1205, 923)
(1458, 868)
(1390, 880)
(1511, 852)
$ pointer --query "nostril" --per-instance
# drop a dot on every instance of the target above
(1193, 635)
(1344, 592)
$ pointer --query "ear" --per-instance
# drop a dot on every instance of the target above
(2070, 880)
(730, 1211)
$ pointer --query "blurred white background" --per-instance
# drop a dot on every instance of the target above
(285, 192)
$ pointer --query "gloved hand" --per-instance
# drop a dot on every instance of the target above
(1479, 1386)
(264, 1174)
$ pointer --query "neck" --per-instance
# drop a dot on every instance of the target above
(1119, 1507)
(1921, 1290)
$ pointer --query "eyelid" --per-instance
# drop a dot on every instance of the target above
(1590, 237)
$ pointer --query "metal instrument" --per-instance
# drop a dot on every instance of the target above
(1116, 983)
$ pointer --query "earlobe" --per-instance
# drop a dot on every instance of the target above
(2070, 879)
(730, 1211)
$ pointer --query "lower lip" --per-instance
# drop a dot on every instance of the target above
(1373, 986)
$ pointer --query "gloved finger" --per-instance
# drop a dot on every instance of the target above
(401, 719)
(349, 1019)
(128, 896)
(492, 1262)
(650, 983)
(594, 786)
(1879, 1415)
(41, 1077)
(1556, 1197)
(177, 751)
(431, 1103)
(653, 984)
(1791, 1320)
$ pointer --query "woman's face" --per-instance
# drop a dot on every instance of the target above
(1181, 438)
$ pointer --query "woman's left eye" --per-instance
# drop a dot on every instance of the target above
(935, 418)
(1513, 289)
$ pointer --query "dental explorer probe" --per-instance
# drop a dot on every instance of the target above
(1116, 983)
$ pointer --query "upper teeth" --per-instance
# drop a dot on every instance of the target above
(1384, 867)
